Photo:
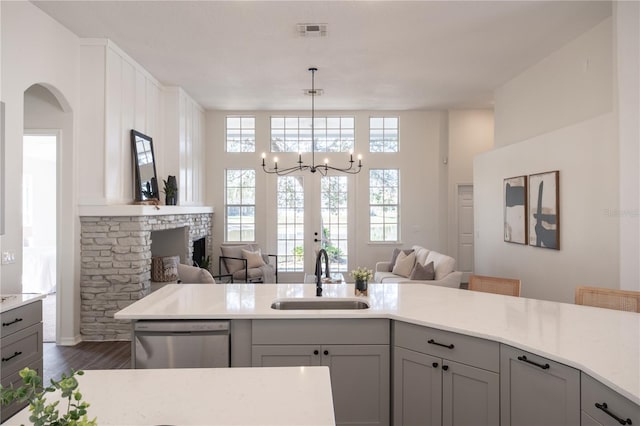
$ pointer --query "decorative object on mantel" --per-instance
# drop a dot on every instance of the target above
(515, 210)
(43, 413)
(544, 210)
(146, 181)
(170, 191)
(313, 167)
(362, 277)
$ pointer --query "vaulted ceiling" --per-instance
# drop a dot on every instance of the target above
(241, 55)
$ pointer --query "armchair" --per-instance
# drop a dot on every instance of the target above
(246, 263)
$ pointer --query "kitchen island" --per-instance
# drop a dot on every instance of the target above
(600, 342)
(295, 396)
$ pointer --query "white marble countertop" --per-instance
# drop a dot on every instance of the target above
(295, 396)
(603, 343)
(12, 301)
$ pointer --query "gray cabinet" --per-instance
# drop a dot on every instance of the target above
(537, 391)
(443, 378)
(356, 352)
(20, 346)
(601, 406)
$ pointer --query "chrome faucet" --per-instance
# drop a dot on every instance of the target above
(321, 252)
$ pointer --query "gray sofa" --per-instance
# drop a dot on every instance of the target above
(444, 266)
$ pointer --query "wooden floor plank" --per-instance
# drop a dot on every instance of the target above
(84, 356)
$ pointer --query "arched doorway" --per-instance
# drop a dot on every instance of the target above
(47, 120)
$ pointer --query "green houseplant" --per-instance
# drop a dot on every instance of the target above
(170, 190)
(362, 277)
(42, 412)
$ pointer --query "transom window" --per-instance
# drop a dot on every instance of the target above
(240, 205)
(241, 134)
(383, 134)
(383, 204)
(293, 134)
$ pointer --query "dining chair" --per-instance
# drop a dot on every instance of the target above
(621, 300)
(497, 285)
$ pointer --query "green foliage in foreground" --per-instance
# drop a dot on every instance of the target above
(42, 413)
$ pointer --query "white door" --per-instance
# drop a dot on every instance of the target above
(465, 230)
(312, 212)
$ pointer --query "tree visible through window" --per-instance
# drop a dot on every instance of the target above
(290, 213)
(241, 134)
(240, 205)
(383, 204)
(293, 134)
(383, 134)
(334, 213)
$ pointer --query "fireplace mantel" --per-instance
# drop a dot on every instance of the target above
(140, 210)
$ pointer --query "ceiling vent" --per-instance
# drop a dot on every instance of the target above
(312, 30)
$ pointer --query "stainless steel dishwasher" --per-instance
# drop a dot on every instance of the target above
(181, 344)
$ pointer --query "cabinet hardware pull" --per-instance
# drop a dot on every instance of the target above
(435, 365)
(604, 408)
(433, 342)
(316, 352)
(445, 367)
(5, 324)
(543, 366)
(326, 352)
(12, 356)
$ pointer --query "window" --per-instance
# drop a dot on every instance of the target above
(334, 214)
(293, 134)
(383, 134)
(383, 204)
(241, 134)
(240, 205)
(290, 213)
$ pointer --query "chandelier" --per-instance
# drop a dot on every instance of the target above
(322, 168)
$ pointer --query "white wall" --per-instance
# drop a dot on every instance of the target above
(117, 95)
(627, 18)
(423, 144)
(470, 133)
(570, 85)
(36, 49)
(542, 125)
(184, 150)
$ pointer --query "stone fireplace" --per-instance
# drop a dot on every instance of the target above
(116, 252)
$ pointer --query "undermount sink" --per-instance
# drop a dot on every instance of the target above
(319, 304)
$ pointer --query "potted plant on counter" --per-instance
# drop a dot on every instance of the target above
(362, 277)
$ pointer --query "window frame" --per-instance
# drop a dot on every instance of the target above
(240, 130)
(385, 205)
(383, 128)
(240, 206)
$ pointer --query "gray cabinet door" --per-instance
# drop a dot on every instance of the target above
(285, 355)
(417, 388)
(359, 382)
(470, 396)
(537, 391)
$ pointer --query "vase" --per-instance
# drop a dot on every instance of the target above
(361, 284)
(170, 201)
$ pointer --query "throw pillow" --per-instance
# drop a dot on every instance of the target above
(423, 272)
(394, 257)
(404, 264)
(254, 258)
(231, 265)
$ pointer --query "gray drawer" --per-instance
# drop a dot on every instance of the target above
(594, 392)
(20, 349)
(15, 380)
(468, 350)
(20, 318)
(320, 331)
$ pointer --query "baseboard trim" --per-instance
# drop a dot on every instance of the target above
(69, 341)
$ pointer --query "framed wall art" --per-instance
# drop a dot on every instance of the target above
(544, 210)
(515, 209)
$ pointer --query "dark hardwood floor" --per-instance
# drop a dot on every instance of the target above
(84, 356)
